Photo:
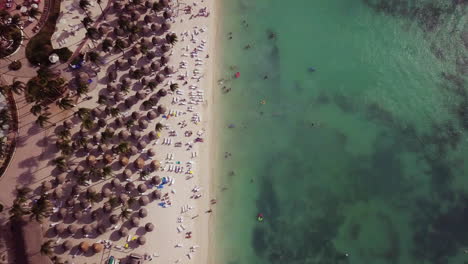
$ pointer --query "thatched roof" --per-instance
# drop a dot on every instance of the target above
(143, 200)
(61, 178)
(84, 204)
(107, 207)
(142, 124)
(124, 134)
(123, 198)
(143, 212)
(142, 188)
(133, 150)
(149, 227)
(114, 219)
(46, 186)
(62, 213)
(115, 182)
(140, 94)
(139, 163)
(155, 164)
(135, 221)
(155, 27)
(102, 229)
(70, 202)
(141, 240)
(157, 194)
(76, 189)
(151, 115)
(91, 160)
(141, 144)
(160, 78)
(87, 229)
(156, 180)
(68, 123)
(123, 160)
(127, 173)
(67, 245)
(167, 14)
(130, 186)
(84, 246)
(151, 152)
(106, 192)
(153, 135)
(97, 247)
(58, 193)
(95, 214)
(123, 231)
(59, 228)
(108, 158)
(72, 229)
(77, 214)
(136, 115)
(136, 134)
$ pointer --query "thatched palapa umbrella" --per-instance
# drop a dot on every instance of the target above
(157, 194)
(107, 207)
(76, 189)
(143, 212)
(114, 219)
(141, 240)
(149, 227)
(150, 55)
(136, 134)
(108, 158)
(133, 150)
(84, 246)
(148, 19)
(142, 188)
(46, 186)
(95, 214)
(128, 102)
(84, 204)
(123, 161)
(68, 124)
(112, 76)
(89, 147)
(123, 231)
(136, 115)
(151, 115)
(132, 60)
(115, 183)
(153, 135)
(118, 97)
(139, 163)
(161, 109)
(67, 245)
(164, 60)
(123, 198)
(124, 134)
(140, 94)
(142, 124)
(127, 173)
(59, 228)
(130, 186)
(101, 123)
(151, 152)
(155, 66)
(102, 229)
(159, 78)
(141, 144)
(70, 202)
(91, 160)
(72, 229)
(156, 40)
(155, 27)
(97, 247)
(168, 70)
(135, 221)
(77, 214)
(156, 180)
(97, 138)
(166, 47)
(164, 3)
(167, 14)
(111, 87)
(119, 122)
(155, 165)
(58, 193)
(143, 200)
(87, 229)
(62, 213)
(165, 26)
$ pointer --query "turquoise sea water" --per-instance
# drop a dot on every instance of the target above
(363, 161)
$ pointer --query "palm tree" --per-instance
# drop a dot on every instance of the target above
(174, 87)
(123, 147)
(159, 126)
(106, 171)
(47, 248)
(120, 45)
(65, 103)
(82, 89)
(41, 209)
(152, 85)
(125, 88)
(61, 163)
(43, 119)
(157, 6)
(66, 148)
(34, 12)
(84, 4)
(92, 197)
(87, 21)
(82, 179)
(36, 109)
(114, 111)
(64, 134)
(113, 201)
(87, 123)
(83, 113)
(125, 213)
(17, 211)
(102, 99)
(17, 86)
(21, 193)
(106, 135)
(93, 57)
(107, 44)
(130, 123)
(171, 38)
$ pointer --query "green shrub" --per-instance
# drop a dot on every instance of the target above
(64, 54)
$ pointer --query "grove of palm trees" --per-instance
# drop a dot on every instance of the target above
(101, 182)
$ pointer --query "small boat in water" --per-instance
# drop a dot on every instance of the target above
(311, 69)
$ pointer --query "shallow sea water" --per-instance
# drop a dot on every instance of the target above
(363, 160)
